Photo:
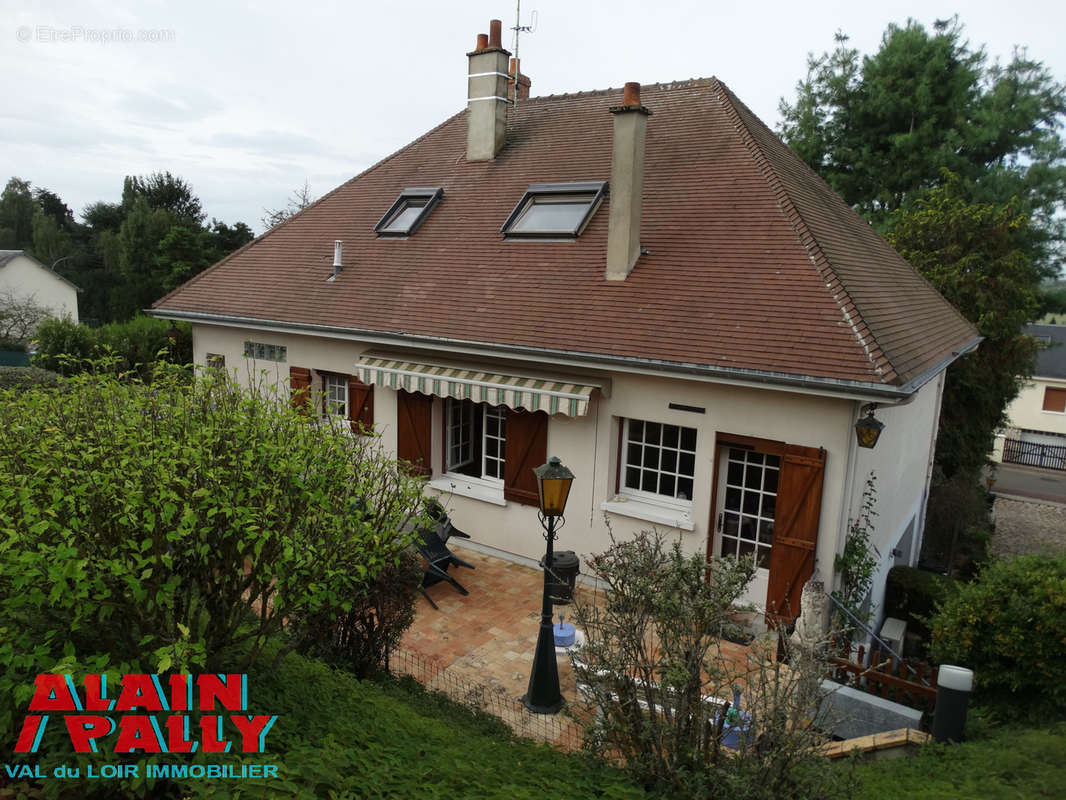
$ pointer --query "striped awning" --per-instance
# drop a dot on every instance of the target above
(469, 383)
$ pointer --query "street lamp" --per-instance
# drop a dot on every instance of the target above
(553, 487)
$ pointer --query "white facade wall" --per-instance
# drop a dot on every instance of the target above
(26, 279)
(588, 446)
(1027, 409)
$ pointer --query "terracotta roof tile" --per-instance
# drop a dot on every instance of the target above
(753, 262)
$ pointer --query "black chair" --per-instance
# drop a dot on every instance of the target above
(440, 516)
(432, 548)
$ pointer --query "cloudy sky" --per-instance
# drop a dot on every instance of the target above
(246, 100)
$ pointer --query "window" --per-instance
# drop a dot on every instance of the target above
(264, 352)
(215, 361)
(750, 504)
(408, 212)
(1054, 400)
(658, 460)
(476, 439)
(554, 210)
(335, 395)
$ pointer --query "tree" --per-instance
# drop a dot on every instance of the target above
(299, 200)
(975, 254)
(181, 254)
(16, 215)
(138, 245)
(19, 317)
(165, 192)
(882, 128)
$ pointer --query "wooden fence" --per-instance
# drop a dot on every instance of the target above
(902, 681)
(1032, 454)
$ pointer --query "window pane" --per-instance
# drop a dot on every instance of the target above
(773, 461)
(731, 524)
(636, 430)
(753, 477)
(670, 435)
(403, 219)
(552, 215)
(746, 549)
(651, 457)
(668, 461)
(732, 499)
(766, 531)
(647, 480)
(764, 557)
(632, 478)
(634, 455)
(688, 438)
(684, 488)
(666, 485)
(769, 505)
(770, 482)
(748, 529)
(736, 473)
(751, 502)
(687, 464)
(754, 458)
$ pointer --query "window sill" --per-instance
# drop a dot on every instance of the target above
(466, 486)
(649, 512)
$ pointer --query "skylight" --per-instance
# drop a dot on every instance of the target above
(555, 210)
(408, 212)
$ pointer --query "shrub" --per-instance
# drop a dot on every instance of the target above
(1009, 627)
(22, 378)
(159, 527)
(957, 526)
(912, 593)
(357, 632)
(652, 659)
(130, 347)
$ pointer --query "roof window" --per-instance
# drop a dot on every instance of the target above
(555, 210)
(408, 212)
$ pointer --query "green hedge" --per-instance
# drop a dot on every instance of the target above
(22, 378)
(912, 594)
(68, 348)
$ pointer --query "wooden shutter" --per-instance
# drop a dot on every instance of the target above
(1054, 399)
(300, 386)
(360, 405)
(799, 506)
(527, 447)
(413, 423)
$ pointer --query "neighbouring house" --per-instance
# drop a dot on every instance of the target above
(645, 283)
(1036, 429)
(24, 278)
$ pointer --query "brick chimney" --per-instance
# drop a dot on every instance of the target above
(627, 183)
(523, 81)
(487, 101)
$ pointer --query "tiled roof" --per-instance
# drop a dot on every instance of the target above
(1051, 361)
(752, 261)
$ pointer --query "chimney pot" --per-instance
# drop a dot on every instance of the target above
(631, 94)
(495, 33)
(482, 41)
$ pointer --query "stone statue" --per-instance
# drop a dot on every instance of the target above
(812, 623)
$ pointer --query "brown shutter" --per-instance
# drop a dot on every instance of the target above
(1054, 399)
(799, 506)
(360, 405)
(413, 423)
(300, 386)
(527, 447)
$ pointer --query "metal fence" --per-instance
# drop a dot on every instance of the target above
(1032, 454)
(558, 730)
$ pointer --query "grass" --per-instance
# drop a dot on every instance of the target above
(1015, 763)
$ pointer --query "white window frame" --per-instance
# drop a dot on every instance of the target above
(333, 385)
(655, 498)
(498, 413)
(459, 421)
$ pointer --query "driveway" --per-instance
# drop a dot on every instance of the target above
(1031, 482)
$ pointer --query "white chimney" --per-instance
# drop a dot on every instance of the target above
(487, 102)
(337, 245)
(627, 183)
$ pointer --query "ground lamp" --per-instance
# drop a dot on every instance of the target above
(553, 487)
(868, 429)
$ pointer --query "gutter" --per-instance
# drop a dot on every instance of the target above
(834, 387)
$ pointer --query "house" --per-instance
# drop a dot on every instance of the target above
(1036, 429)
(645, 283)
(23, 277)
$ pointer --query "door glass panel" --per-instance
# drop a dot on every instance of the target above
(749, 504)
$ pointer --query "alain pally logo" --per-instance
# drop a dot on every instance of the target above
(127, 727)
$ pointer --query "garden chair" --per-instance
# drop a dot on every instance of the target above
(432, 548)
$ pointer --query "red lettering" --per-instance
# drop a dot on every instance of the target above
(137, 733)
(211, 728)
(96, 698)
(229, 690)
(178, 735)
(85, 730)
(253, 732)
(180, 692)
(138, 691)
(27, 741)
(53, 693)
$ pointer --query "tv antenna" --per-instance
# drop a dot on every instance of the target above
(519, 29)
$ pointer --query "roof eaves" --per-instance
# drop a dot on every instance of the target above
(848, 309)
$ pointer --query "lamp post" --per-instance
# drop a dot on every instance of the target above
(553, 487)
(868, 429)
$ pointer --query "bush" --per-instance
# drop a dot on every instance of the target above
(358, 632)
(158, 528)
(958, 525)
(651, 659)
(22, 378)
(1009, 627)
(912, 594)
(130, 347)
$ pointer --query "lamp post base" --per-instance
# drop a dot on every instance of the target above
(552, 709)
(543, 695)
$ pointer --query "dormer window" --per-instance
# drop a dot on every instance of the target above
(408, 212)
(555, 210)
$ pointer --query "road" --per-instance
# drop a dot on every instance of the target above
(1039, 484)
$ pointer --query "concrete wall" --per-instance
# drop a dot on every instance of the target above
(588, 445)
(25, 278)
(1027, 409)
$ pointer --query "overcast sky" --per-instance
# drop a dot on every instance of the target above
(247, 99)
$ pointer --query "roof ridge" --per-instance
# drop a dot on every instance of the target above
(688, 83)
(266, 233)
(841, 296)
